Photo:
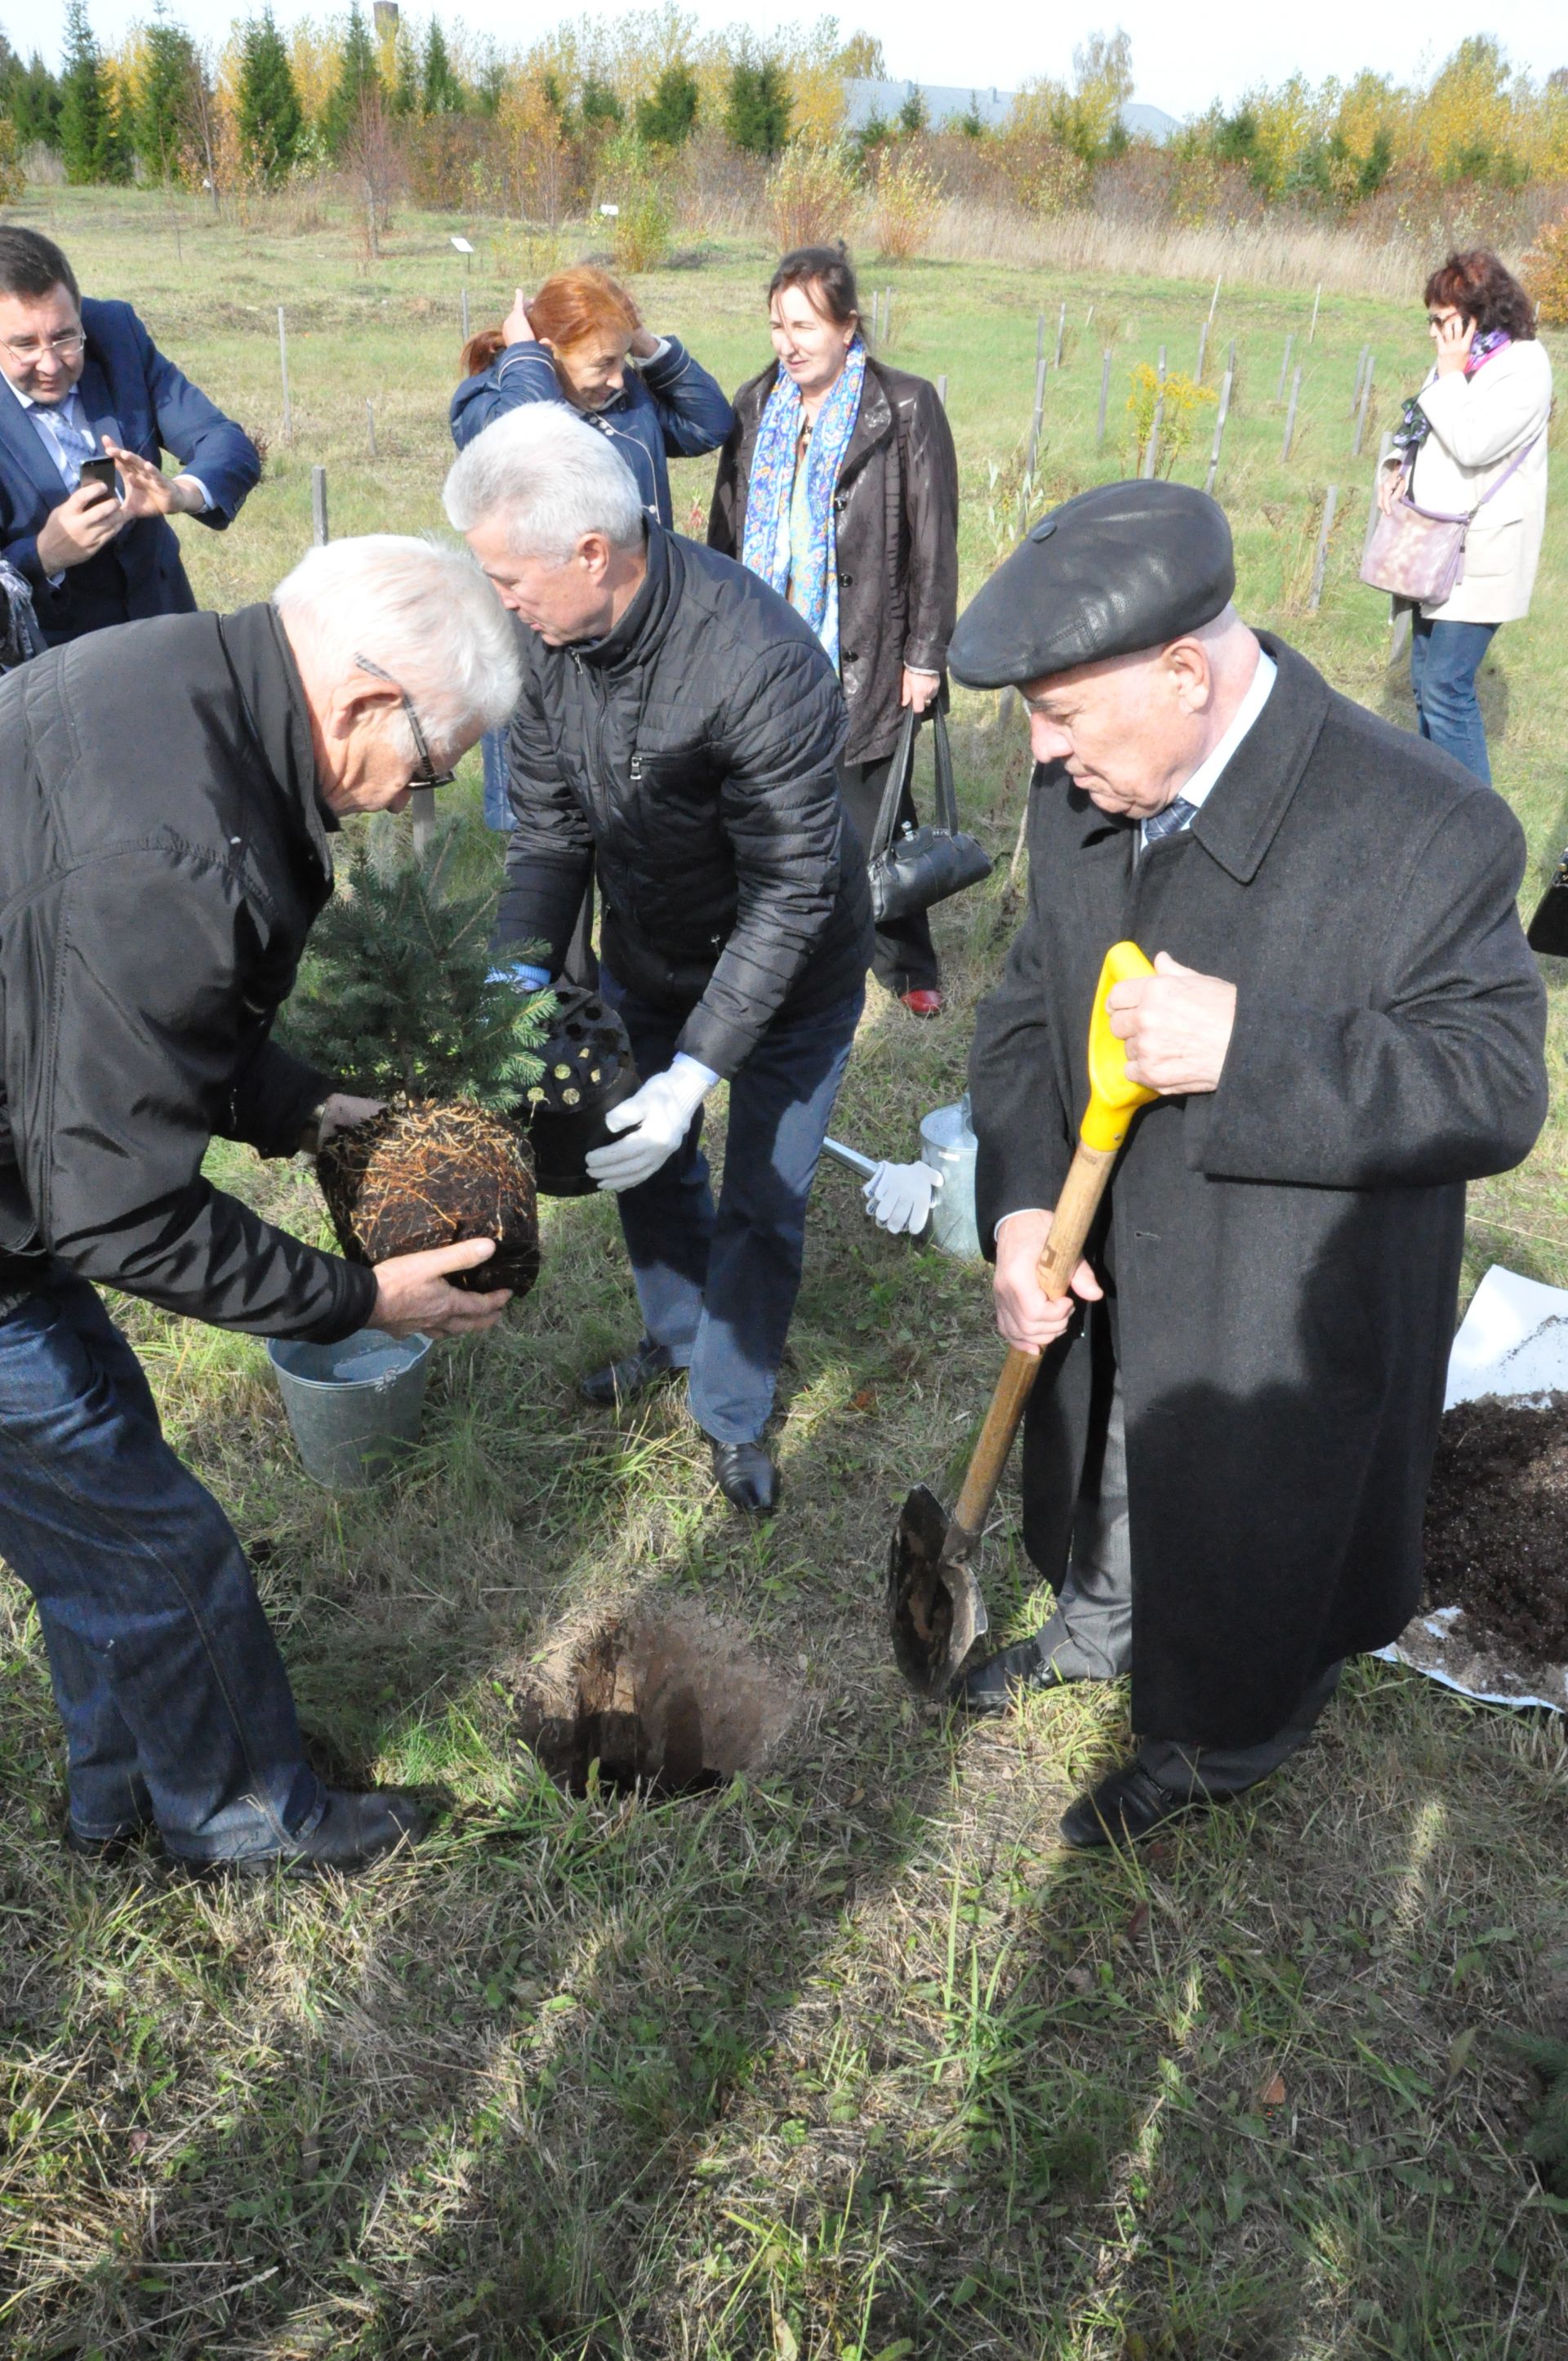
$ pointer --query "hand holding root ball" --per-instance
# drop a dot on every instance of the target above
(1177, 1024)
(415, 1295)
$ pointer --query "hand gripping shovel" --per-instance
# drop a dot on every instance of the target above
(934, 1601)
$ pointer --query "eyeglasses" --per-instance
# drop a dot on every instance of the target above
(427, 776)
(27, 349)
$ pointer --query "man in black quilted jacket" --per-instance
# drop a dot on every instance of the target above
(678, 733)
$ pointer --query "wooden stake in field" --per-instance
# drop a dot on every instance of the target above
(1319, 561)
(369, 426)
(1284, 372)
(1215, 296)
(1220, 428)
(1317, 299)
(283, 366)
(1151, 456)
(1104, 398)
(1039, 412)
(465, 310)
(876, 306)
(1039, 340)
(887, 316)
(1363, 406)
(1061, 333)
(1290, 413)
(1202, 348)
(1360, 371)
(319, 533)
(942, 390)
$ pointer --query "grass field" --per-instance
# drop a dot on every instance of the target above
(850, 2058)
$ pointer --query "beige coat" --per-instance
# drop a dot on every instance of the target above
(1478, 425)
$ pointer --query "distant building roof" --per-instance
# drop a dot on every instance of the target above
(946, 103)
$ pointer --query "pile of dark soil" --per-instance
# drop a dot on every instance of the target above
(430, 1175)
(1497, 1530)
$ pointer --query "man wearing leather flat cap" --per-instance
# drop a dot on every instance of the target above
(1226, 1459)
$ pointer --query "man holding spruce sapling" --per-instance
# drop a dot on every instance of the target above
(679, 731)
(168, 793)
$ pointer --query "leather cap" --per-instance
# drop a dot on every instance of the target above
(1122, 568)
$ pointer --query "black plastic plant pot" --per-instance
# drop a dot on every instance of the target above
(588, 1070)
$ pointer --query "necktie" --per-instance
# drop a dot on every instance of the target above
(70, 439)
(1168, 822)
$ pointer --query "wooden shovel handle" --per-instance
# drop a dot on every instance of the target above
(1074, 1217)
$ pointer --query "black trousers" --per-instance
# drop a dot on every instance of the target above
(906, 957)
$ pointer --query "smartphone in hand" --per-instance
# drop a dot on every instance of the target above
(101, 471)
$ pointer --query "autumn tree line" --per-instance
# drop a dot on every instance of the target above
(677, 121)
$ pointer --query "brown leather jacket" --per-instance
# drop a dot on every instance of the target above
(897, 507)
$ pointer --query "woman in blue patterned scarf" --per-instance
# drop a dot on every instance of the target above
(838, 486)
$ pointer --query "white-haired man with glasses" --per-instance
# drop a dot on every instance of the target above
(167, 794)
(82, 384)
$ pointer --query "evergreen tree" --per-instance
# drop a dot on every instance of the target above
(90, 135)
(913, 115)
(271, 125)
(441, 93)
(490, 82)
(33, 103)
(162, 100)
(669, 117)
(404, 101)
(357, 77)
(599, 105)
(756, 119)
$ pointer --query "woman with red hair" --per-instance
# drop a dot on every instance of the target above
(1472, 444)
(572, 343)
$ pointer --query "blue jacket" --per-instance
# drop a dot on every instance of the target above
(670, 407)
(130, 392)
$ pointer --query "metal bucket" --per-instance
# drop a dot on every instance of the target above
(947, 1143)
(354, 1407)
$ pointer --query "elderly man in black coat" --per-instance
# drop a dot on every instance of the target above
(168, 796)
(679, 729)
(1227, 1458)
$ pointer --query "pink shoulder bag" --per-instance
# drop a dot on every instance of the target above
(1419, 554)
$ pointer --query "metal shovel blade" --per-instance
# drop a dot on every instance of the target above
(935, 1611)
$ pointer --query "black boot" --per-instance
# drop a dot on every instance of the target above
(623, 1381)
(746, 1476)
(108, 1852)
(353, 1832)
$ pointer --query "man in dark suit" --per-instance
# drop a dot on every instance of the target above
(1226, 1465)
(83, 380)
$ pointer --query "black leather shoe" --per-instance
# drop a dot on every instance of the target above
(108, 1852)
(996, 1686)
(353, 1832)
(623, 1381)
(746, 1476)
(1128, 1805)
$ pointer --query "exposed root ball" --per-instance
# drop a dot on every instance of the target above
(428, 1175)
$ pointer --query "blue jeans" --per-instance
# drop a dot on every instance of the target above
(499, 813)
(717, 1285)
(176, 1706)
(1444, 661)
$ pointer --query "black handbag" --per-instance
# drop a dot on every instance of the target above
(912, 868)
(1549, 927)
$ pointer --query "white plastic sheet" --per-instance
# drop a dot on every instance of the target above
(1513, 1342)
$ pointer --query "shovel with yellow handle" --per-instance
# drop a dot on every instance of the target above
(934, 1601)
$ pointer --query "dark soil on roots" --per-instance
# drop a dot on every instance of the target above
(1497, 1532)
(430, 1175)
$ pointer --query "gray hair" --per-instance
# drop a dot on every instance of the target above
(425, 613)
(551, 477)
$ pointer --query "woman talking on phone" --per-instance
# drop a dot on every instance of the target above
(1472, 444)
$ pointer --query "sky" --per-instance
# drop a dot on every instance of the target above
(1182, 58)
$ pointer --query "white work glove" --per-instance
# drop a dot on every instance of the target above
(899, 1197)
(662, 1110)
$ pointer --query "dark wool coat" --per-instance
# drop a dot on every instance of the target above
(897, 511)
(1282, 1253)
(162, 856)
